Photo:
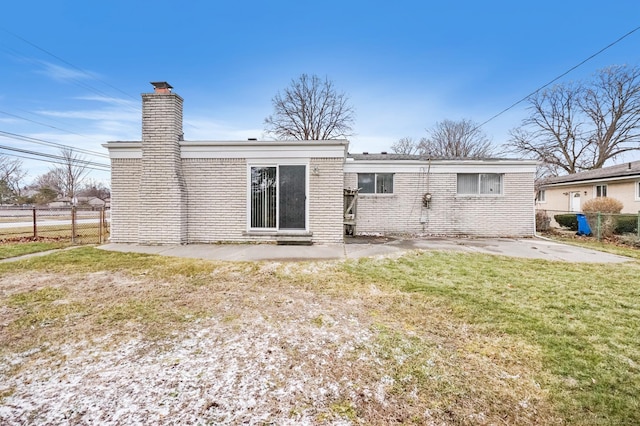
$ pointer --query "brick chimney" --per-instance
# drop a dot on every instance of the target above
(162, 187)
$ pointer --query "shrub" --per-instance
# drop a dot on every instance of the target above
(626, 224)
(542, 220)
(602, 205)
(567, 221)
(609, 207)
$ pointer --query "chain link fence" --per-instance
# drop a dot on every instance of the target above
(601, 225)
(77, 225)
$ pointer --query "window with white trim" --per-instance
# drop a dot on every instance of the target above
(638, 190)
(375, 183)
(601, 190)
(542, 196)
(479, 184)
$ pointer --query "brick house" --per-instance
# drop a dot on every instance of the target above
(166, 190)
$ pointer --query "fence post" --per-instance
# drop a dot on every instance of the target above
(638, 227)
(73, 224)
(100, 225)
(35, 226)
(599, 226)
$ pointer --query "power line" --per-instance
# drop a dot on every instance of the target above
(51, 161)
(57, 158)
(86, 73)
(47, 143)
(51, 127)
(558, 77)
(66, 62)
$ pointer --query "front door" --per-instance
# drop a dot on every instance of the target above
(574, 200)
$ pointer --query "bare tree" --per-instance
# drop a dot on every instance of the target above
(11, 177)
(406, 145)
(48, 181)
(456, 139)
(612, 105)
(310, 109)
(71, 173)
(579, 126)
(99, 190)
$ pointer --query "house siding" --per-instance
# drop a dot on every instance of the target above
(217, 194)
(218, 204)
(326, 199)
(510, 214)
(125, 199)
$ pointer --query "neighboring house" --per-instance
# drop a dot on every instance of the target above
(568, 193)
(165, 190)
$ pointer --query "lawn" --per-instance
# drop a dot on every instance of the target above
(8, 250)
(88, 336)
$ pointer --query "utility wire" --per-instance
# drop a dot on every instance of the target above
(91, 164)
(557, 78)
(47, 143)
(77, 81)
(50, 161)
(66, 62)
(55, 128)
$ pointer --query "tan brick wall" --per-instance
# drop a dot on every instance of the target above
(510, 214)
(125, 200)
(326, 199)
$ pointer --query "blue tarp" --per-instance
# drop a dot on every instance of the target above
(583, 225)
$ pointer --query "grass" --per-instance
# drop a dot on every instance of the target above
(85, 232)
(9, 250)
(465, 338)
(583, 318)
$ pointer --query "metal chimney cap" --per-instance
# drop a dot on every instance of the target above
(161, 86)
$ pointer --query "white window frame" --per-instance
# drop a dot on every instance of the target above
(601, 186)
(479, 193)
(541, 196)
(277, 164)
(375, 183)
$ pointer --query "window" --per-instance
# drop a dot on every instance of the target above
(375, 183)
(542, 196)
(601, 190)
(638, 190)
(479, 183)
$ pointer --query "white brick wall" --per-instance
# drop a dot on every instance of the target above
(162, 186)
(217, 194)
(326, 199)
(125, 199)
(510, 214)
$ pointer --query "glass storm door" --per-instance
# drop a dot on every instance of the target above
(278, 197)
(292, 197)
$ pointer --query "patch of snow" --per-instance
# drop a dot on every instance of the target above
(277, 372)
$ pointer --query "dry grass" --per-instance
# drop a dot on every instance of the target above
(365, 342)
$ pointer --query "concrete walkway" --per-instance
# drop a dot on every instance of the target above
(534, 248)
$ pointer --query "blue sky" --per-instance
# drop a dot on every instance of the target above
(75, 69)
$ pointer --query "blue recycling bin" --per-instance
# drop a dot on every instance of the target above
(583, 225)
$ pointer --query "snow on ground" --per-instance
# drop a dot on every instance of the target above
(255, 371)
